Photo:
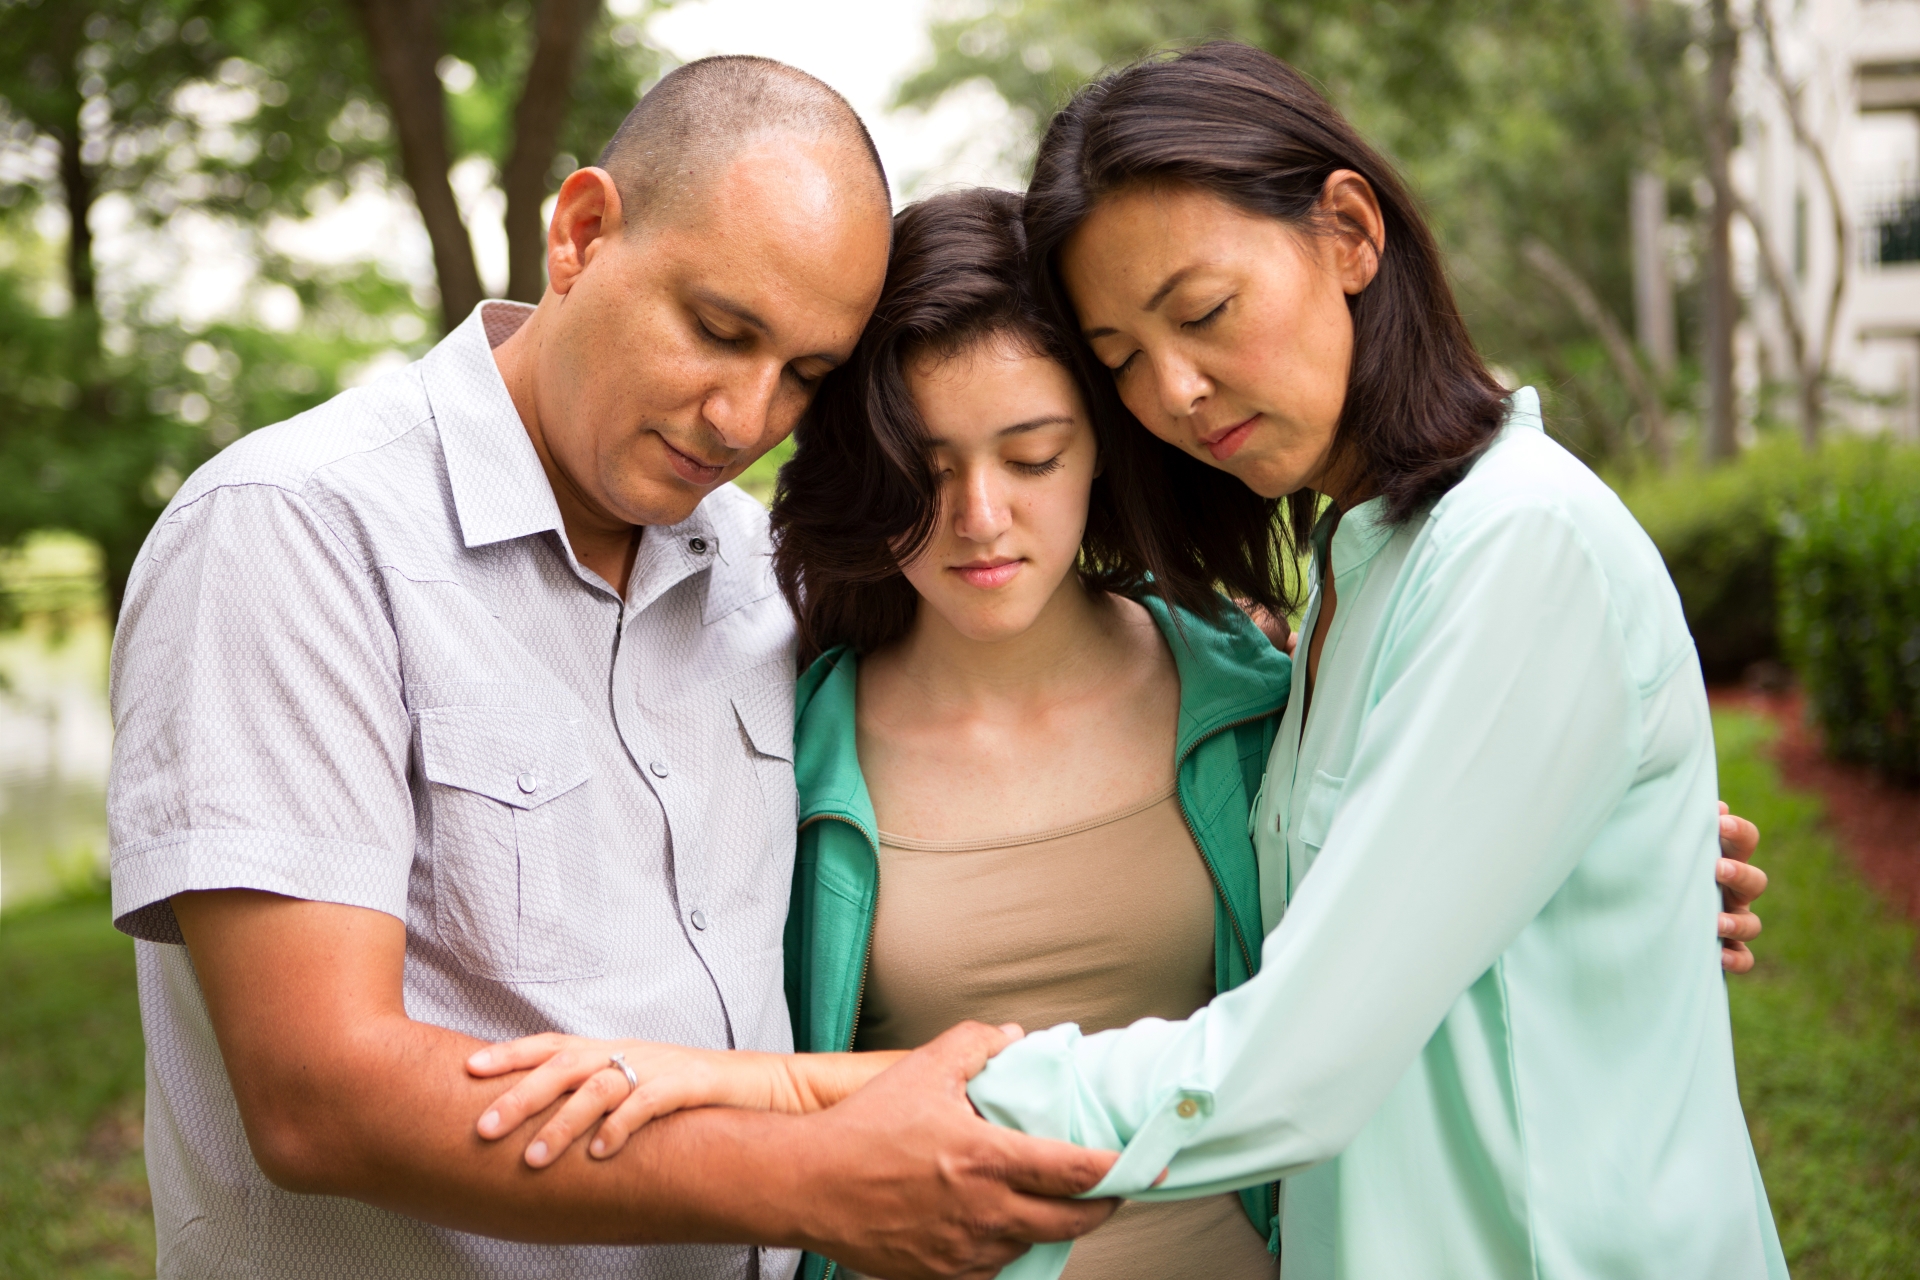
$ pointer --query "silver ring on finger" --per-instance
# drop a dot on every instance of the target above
(620, 1060)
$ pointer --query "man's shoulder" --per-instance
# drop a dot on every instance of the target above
(294, 454)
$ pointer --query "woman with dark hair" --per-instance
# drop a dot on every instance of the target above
(1489, 1035)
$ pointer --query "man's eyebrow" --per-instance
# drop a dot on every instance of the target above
(1167, 286)
(739, 311)
(752, 320)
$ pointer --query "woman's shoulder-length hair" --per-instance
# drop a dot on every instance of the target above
(859, 496)
(1229, 119)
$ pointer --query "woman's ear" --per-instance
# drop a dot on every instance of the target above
(1360, 233)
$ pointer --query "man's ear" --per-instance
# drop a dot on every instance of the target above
(1361, 232)
(586, 214)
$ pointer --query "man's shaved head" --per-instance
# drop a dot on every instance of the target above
(701, 115)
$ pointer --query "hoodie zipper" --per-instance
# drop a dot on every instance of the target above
(866, 960)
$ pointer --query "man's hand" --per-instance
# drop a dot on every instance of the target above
(927, 1188)
(1740, 883)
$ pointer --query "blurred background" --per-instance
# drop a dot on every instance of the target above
(1694, 224)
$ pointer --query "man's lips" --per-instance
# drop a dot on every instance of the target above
(690, 468)
(1224, 444)
(988, 573)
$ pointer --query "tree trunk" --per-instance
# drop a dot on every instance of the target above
(76, 183)
(1612, 337)
(1652, 284)
(1722, 306)
(560, 30)
(403, 38)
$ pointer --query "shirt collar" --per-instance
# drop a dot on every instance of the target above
(500, 490)
(1356, 538)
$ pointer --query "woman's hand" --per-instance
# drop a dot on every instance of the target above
(670, 1078)
(1740, 883)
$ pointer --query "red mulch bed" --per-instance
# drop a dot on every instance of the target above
(1876, 822)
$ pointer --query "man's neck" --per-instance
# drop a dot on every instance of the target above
(602, 542)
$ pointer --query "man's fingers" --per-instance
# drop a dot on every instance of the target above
(1045, 1167)
(965, 1048)
(1736, 958)
(1037, 1220)
(514, 1055)
(1739, 926)
(1738, 837)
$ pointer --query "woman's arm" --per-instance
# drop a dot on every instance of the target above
(671, 1078)
(1504, 730)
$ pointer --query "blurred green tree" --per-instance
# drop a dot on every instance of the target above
(243, 114)
(1520, 123)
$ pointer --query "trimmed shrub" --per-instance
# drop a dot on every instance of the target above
(1719, 532)
(1849, 574)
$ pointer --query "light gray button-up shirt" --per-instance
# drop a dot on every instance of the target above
(359, 663)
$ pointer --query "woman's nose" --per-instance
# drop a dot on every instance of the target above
(981, 513)
(1181, 385)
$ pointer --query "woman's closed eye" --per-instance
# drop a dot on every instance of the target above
(1208, 318)
(1037, 468)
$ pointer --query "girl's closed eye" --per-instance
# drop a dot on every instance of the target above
(1038, 468)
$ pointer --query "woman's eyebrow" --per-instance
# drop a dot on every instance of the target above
(1034, 424)
(1167, 286)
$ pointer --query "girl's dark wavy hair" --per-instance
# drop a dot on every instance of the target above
(1228, 119)
(859, 496)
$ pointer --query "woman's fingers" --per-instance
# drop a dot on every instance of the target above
(516, 1055)
(1735, 957)
(1738, 837)
(598, 1094)
(536, 1092)
(1740, 883)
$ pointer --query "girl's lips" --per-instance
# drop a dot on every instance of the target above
(989, 575)
(1225, 446)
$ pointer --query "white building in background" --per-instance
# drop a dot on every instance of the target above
(1852, 70)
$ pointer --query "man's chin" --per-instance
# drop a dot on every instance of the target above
(664, 501)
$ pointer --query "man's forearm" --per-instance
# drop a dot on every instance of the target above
(401, 1135)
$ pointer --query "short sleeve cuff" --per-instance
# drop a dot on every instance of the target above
(147, 875)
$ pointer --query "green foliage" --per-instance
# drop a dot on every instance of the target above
(1719, 533)
(1850, 608)
(1513, 120)
(71, 1072)
(1826, 1032)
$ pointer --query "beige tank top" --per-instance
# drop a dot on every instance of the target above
(1101, 923)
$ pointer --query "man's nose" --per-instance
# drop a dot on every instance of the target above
(981, 513)
(739, 409)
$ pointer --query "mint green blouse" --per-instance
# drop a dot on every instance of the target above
(1489, 1035)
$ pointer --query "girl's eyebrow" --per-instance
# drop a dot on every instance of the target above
(1031, 424)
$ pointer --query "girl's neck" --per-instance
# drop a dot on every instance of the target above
(1068, 648)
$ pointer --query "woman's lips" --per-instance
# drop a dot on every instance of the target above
(1228, 442)
(993, 573)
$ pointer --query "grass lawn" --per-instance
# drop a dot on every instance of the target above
(1827, 1031)
(73, 1190)
(1828, 1035)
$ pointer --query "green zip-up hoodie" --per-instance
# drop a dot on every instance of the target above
(1233, 687)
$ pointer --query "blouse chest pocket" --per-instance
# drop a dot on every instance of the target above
(519, 874)
(1316, 809)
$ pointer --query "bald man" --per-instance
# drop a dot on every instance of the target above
(460, 708)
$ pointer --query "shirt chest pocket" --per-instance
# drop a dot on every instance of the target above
(765, 714)
(1313, 818)
(519, 872)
